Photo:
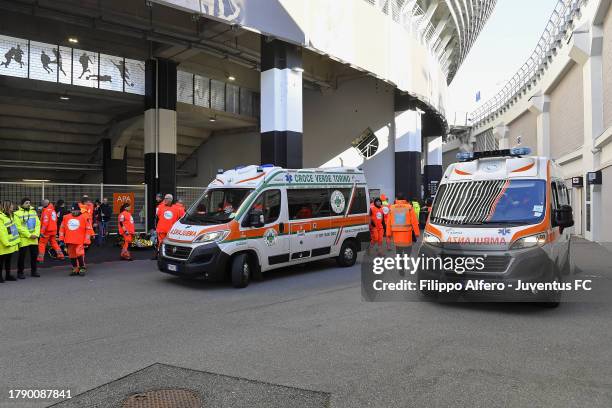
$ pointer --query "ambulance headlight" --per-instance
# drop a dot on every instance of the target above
(465, 156)
(520, 151)
(214, 236)
(530, 241)
(431, 239)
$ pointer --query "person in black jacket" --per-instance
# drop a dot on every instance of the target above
(105, 212)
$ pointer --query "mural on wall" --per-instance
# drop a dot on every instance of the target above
(54, 63)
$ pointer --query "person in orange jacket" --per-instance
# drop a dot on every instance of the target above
(76, 232)
(167, 214)
(126, 230)
(386, 210)
(403, 223)
(48, 229)
(376, 224)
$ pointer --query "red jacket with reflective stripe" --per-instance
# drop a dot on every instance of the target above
(126, 223)
(167, 215)
(48, 220)
(376, 217)
(75, 230)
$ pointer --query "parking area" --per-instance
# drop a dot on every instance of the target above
(305, 327)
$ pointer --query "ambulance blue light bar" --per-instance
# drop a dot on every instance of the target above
(514, 152)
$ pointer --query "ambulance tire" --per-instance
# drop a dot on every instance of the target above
(240, 271)
(348, 254)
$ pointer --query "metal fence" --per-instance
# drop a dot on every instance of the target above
(189, 195)
(71, 193)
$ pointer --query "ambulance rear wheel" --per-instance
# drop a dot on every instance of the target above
(348, 254)
(240, 271)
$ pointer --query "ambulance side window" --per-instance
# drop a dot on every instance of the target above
(270, 203)
(308, 203)
(360, 204)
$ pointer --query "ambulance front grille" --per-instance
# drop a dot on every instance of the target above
(177, 252)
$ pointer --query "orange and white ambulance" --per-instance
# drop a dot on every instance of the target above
(509, 209)
(256, 218)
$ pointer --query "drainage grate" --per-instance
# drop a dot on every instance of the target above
(166, 398)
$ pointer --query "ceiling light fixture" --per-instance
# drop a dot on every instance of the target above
(36, 180)
(73, 40)
(212, 119)
(298, 69)
(231, 78)
(65, 98)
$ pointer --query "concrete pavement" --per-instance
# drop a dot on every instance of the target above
(306, 327)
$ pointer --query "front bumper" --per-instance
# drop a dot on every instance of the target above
(532, 265)
(206, 262)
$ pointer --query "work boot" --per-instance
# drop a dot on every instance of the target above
(40, 259)
(82, 271)
(35, 275)
(20, 275)
(75, 271)
(10, 278)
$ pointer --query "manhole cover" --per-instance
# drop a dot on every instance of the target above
(170, 398)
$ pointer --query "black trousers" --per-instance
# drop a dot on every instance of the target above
(5, 264)
(22, 254)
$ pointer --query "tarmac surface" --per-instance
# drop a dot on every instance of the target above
(304, 327)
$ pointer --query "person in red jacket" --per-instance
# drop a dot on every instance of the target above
(126, 230)
(76, 232)
(167, 214)
(376, 224)
(48, 229)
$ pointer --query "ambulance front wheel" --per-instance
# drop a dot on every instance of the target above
(348, 254)
(240, 271)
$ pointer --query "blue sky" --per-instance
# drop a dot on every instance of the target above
(509, 37)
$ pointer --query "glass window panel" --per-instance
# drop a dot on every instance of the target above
(85, 68)
(308, 203)
(184, 83)
(217, 95)
(246, 102)
(42, 61)
(13, 56)
(111, 73)
(63, 62)
(202, 91)
(231, 98)
(134, 76)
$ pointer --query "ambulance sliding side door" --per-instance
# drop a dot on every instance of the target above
(271, 240)
(309, 220)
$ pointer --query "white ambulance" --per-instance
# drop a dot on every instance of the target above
(512, 211)
(256, 218)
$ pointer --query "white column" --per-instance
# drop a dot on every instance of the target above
(540, 105)
(586, 49)
(501, 134)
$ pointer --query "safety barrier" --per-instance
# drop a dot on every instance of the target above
(189, 194)
(71, 193)
(115, 193)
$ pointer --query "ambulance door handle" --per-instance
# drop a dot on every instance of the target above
(281, 227)
(314, 225)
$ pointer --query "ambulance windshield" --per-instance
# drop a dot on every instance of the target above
(217, 206)
(516, 202)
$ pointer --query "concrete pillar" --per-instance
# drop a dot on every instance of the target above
(540, 105)
(500, 132)
(159, 131)
(281, 104)
(114, 169)
(586, 49)
(408, 153)
(433, 167)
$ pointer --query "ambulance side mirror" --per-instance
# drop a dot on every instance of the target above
(255, 219)
(564, 217)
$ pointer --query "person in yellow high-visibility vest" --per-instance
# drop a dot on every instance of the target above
(403, 222)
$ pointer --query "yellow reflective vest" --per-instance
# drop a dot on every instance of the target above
(9, 236)
(27, 224)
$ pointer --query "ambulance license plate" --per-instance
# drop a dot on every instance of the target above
(172, 268)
